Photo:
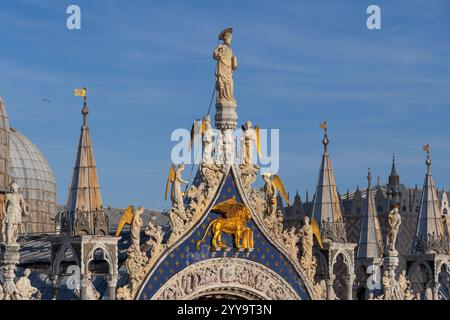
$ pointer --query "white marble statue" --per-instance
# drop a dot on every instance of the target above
(226, 64)
(176, 195)
(271, 192)
(306, 241)
(24, 289)
(136, 227)
(248, 139)
(394, 220)
(14, 209)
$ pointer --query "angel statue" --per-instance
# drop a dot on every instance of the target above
(14, 209)
(226, 64)
(207, 136)
(176, 195)
(394, 220)
(273, 184)
(306, 233)
(132, 217)
(251, 135)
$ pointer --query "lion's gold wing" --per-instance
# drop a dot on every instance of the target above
(280, 187)
(316, 231)
(170, 179)
(126, 218)
(228, 208)
(258, 141)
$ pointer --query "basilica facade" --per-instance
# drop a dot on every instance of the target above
(224, 236)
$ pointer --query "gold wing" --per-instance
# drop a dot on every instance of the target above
(203, 126)
(228, 208)
(170, 179)
(280, 187)
(192, 136)
(195, 130)
(316, 232)
(258, 141)
(126, 218)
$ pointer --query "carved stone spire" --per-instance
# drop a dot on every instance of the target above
(327, 206)
(370, 239)
(430, 227)
(393, 188)
(84, 207)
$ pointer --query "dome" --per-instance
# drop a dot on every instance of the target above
(31, 171)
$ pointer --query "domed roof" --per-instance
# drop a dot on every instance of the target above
(31, 171)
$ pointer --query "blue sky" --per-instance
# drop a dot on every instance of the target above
(149, 70)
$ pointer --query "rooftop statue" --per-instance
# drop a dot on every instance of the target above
(25, 291)
(394, 220)
(226, 64)
(251, 135)
(14, 209)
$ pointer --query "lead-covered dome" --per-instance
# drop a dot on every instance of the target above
(31, 171)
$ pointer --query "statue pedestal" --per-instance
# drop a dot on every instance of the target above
(10, 257)
(391, 263)
(226, 116)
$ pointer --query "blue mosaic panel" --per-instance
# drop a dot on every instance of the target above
(186, 254)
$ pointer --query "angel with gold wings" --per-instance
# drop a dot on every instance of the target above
(131, 217)
(175, 179)
(273, 184)
(251, 135)
(307, 231)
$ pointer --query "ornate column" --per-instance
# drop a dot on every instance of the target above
(11, 257)
(83, 287)
(330, 290)
(436, 287)
(56, 286)
(349, 284)
(112, 285)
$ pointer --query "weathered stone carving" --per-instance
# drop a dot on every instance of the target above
(321, 289)
(25, 291)
(155, 234)
(14, 208)
(136, 227)
(139, 261)
(248, 175)
(251, 278)
(405, 286)
(307, 260)
(394, 220)
(181, 218)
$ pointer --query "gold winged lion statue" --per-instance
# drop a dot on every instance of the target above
(234, 222)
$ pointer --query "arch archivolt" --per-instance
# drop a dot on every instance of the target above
(231, 276)
(60, 257)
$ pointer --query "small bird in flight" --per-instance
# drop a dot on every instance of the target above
(45, 100)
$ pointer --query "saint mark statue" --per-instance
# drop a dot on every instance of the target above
(226, 64)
